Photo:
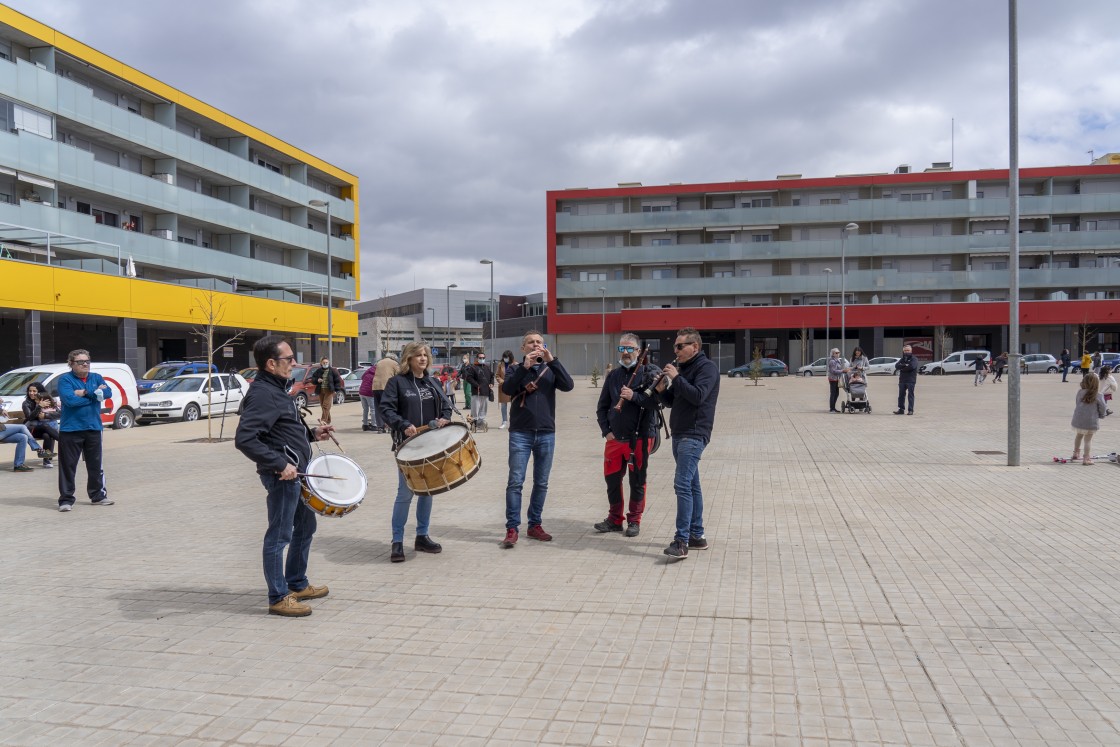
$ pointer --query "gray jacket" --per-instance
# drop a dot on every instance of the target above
(835, 367)
(1088, 416)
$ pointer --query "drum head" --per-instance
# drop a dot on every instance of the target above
(345, 492)
(437, 441)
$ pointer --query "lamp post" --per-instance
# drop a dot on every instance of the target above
(827, 313)
(431, 309)
(603, 326)
(843, 282)
(453, 285)
(330, 303)
(493, 313)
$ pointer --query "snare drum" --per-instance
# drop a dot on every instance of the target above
(328, 497)
(436, 461)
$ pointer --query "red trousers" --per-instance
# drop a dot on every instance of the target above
(617, 462)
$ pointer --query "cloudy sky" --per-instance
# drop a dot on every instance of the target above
(458, 115)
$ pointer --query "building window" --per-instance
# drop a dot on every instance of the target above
(760, 238)
(980, 195)
(759, 202)
(592, 276)
(744, 273)
(723, 274)
(830, 200)
(30, 120)
(662, 274)
(915, 196)
(661, 242)
(946, 194)
(269, 165)
(477, 311)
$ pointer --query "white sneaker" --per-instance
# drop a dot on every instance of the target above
(504, 425)
(64, 507)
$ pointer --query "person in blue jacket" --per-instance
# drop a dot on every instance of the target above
(82, 393)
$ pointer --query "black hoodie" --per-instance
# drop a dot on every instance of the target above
(535, 411)
(692, 397)
(270, 431)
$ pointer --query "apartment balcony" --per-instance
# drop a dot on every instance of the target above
(69, 165)
(860, 211)
(26, 82)
(150, 250)
(860, 281)
(1081, 242)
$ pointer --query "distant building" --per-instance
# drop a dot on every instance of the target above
(124, 203)
(757, 264)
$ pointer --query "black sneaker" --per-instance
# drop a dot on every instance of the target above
(677, 549)
(396, 554)
(632, 529)
(899, 412)
(697, 543)
(608, 526)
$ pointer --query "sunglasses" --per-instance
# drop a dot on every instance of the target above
(682, 345)
(85, 362)
(627, 349)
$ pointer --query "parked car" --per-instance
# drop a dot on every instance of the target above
(1040, 363)
(118, 410)
(1110, 359)
(819, 367)
(963, 362)
(186, 397)
(883, 365)
(770, 367)
(249, 374)
(352, 381)
(304, 391)
(155, 376)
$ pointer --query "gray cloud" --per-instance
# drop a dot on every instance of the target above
(458, 117)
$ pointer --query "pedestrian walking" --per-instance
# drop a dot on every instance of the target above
(690, 390)
(1088, 410)
(1086, 362)
(272, 434)
(386, 369)
(1108, 388)
(1066, 362)
(907, 367)
(981, 367)
(370, 419)
(500, 375)
(481, 379)
(1000, 365)
(326, 382)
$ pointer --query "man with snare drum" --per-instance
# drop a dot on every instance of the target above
(272, 434)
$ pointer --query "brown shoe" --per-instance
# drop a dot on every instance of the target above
(289, 607)
(310, 592)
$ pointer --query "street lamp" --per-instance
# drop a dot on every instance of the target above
(603, 326)
(493, 313)
(843, 281)
(330, 303)
(827, 313)
(431, 309)
(453, 285)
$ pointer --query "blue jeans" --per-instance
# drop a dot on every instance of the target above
(541, 445)
(505, 412)
(686, 484)
(291, 524)
(1065, 372)
(400, 510)
(22, 438)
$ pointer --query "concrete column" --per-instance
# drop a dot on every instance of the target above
(43, 56)
(31, 341)
(165, 114)
(871, 340)
(127, 352)
(1002, 340)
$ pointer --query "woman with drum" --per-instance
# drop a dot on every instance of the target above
(413, 399)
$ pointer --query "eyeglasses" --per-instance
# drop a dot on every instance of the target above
(682, 345)
(84, 362)
(288, 358)
(627, 349)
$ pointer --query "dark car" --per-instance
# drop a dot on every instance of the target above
(155, 376)
(304, 391)
(770, 367)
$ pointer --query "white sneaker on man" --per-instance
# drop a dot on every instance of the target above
(503, 426)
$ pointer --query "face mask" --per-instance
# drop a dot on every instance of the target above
(507, 359)
(625, 364)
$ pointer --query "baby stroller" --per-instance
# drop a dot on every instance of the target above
(856, 387)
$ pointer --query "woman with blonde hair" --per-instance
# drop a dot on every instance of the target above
(1087, 413)
(412, 399)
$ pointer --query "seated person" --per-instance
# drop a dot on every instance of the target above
(22, 438)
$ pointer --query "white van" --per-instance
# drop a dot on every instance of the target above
(117, 411)
(962, 361)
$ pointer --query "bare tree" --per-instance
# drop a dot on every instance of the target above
(210, 309)
(385, 324)
(803, 338)
(943, 340)
(1085, 335)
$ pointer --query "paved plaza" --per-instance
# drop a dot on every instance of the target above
(872, 579)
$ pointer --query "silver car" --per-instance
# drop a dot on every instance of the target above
(882, 366)
(819, 367)
(1040, 363)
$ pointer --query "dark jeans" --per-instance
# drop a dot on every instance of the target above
(906, 390)
(45, 430)
(1065, 372)
(291, 524)
(74, 445)
(833, 394)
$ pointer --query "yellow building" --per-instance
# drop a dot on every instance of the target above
(132, 215)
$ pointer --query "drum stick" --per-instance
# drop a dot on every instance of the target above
(336, 443)
(321, 477)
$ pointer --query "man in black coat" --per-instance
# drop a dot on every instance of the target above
(272, 434)
(481, 379)
(629, 430)
(326, 381)
(907, 367)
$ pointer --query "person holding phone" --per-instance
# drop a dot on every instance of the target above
(532, 388)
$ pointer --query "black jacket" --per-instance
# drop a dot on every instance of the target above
(907, 368)
(402, 404)
(480, 377)
(692, 397)
(535, 411)
(323, 373)
(635, 419)
(270, 431)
